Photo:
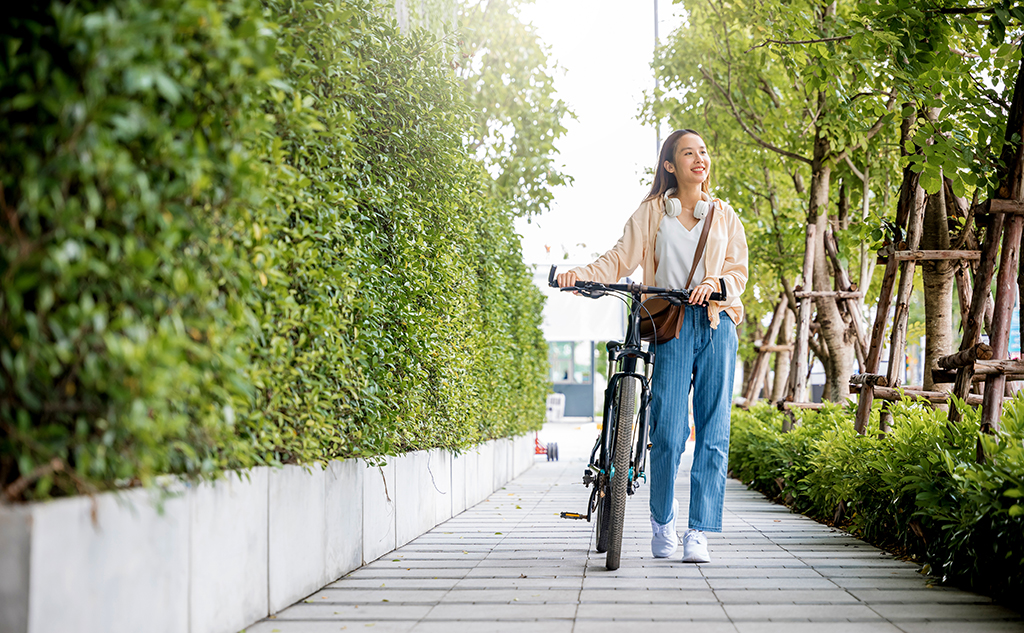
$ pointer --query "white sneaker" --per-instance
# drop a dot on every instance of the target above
(695, 547)
(665, 540)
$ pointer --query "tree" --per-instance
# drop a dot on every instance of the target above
(509, 81)
(789, 90)
(816, 84)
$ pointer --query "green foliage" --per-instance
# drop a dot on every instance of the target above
(783, 89)
(122, 174)
(516, 117)
(238, 233)
(916, 490)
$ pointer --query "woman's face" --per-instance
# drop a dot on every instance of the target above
(692, 162)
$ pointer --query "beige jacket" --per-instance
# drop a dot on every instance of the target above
(725, 255)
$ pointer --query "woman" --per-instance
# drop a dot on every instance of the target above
(662, 236)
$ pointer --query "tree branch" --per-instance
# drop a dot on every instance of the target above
(743, 124)
(874, 129)
(820, 350)
(967, 11)
(856, 172)
(793, 42)
(767, 89)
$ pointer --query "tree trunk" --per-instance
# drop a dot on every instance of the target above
(751, 331)
(834, 332)
(938, 288)
(843, 206)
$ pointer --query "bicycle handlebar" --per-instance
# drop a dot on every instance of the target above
(595, 289)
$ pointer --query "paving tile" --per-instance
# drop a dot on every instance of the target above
(680, 612)
(920, 582)
(592, 582)
(303, 611)
(771, 583)
(345, 595)
(332, 626)
(489, 626)
(973, 612)
(648, 626)
(396, 583)
(489, 612)
(647, 596)
(759, 572)
(408, 573)
(805, 612)
(961, 627)
(520, 583)
(522, 596)
(933, 595)
(783, 596)
(816, 627)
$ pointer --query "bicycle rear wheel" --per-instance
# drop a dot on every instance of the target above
(619, 480)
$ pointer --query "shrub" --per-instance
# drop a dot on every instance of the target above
(119, 339)
(916, 490)
(239, 233)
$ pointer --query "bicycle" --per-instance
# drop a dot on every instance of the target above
(615, 468)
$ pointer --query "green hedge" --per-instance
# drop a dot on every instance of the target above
(916, 490)
(239, 233)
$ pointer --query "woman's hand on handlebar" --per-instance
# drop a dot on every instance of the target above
(701, 293)
(567, 280)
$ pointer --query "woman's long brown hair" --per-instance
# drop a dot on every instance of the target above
(665, 180)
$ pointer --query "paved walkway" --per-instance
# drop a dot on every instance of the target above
(511, 564)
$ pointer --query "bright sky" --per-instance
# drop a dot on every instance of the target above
(605, 48)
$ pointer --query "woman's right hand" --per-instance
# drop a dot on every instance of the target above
(567, 280)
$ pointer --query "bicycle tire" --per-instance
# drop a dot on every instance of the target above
(619, 482)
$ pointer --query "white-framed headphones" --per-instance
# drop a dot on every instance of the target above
(673, 207)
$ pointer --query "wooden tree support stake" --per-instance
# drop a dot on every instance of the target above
(760, 368)
(820, 294)
(851, 306)
(996, 206)
(770, 349)
(967, 357)
(798, 372)
(788, 406)
(1009, 260)
(944, 375)
(876, 380)
(976, 314)
(917, 256)
(934, 397)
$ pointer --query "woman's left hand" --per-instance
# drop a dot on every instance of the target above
(701, 293)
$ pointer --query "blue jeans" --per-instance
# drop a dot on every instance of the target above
(704, 360)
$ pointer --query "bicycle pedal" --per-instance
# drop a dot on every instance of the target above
(572, 515)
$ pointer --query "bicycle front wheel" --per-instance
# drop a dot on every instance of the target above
(619, 481)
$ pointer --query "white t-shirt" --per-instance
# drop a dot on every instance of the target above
(675, 247)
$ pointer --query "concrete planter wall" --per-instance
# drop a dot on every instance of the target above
(216, 557)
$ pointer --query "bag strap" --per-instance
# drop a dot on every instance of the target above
(701, 242)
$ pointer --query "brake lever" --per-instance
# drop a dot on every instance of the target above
(590, 293)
